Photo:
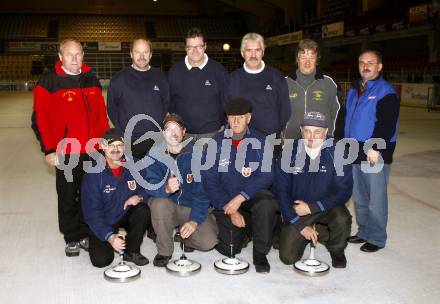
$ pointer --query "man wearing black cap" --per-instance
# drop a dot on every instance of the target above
(237, 185)
(313, 193)
(178, 198)
(112, 199)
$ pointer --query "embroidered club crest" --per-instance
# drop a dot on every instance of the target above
(132, 185)
(189, 178)
(246, 171)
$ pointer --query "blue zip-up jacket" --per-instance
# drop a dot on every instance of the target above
(223, 181)
(103, 196)
(191, 193)
(321, 189)
(268, 93)
(374, 114)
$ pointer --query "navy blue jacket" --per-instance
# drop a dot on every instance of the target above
(133, 92)
(103, 196)
(321, 190)
(198, 95)
(223, 181)
(374, 114)
(191, 193)
(268, 93)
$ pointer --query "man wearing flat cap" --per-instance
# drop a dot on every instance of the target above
(111, 199)
(179, 200)
(237, 186)
(310, 191)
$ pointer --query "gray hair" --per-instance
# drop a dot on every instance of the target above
(253, 37)
(65, 41)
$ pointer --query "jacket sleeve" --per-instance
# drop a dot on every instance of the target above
(92, 206)
(113, 97)
(340, 191)
(199, 208)
(103, 120)
(42, 121)
(387, 114)
(335, 105)
(154, 176)
(285, 200)
(165, 96)
(214, 189)
(172, 87)
(283, 102)
(223, 80)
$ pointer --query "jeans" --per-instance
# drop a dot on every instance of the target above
(371, 204)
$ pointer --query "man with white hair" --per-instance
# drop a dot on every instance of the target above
(68, 104)
(262, 85)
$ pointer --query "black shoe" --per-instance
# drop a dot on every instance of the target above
(368, 247)
(261, 263)
(72, 249)
(136, 258)
(338, 259)
(354, 239)
(187, 249)
(84, 244)
(161, 260)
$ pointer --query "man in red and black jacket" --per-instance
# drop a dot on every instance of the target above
(68, 104)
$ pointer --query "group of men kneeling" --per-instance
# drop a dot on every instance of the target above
(236, 198)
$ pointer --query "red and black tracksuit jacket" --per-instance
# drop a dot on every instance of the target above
(67, 106)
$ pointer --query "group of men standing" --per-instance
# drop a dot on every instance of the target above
(242, 190)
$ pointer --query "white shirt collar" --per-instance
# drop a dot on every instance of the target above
(148, 68)
(254, 71)
(70, 73)
(189, 67)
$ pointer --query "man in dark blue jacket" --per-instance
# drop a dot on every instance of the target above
(197, 88)
(372, 119)
(138, 89)
(310, 191)
(237, 184)
(178, 199)
(263, 86)
(112, 199)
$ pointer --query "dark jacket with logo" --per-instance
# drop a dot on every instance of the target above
(322, 189)
(133, 92)
(223, 181)
(67, 106)
(191, 193)
(320, 96)
(103, 196)
(267, 91)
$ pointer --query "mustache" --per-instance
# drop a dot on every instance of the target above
(366, 71)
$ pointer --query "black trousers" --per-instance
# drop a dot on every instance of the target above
(135, 222)
(338, 223)
(70, 218)
(259, 214)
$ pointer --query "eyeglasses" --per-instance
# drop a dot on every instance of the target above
(368, 64)
(195, 47)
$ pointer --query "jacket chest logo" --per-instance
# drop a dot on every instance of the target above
(207, 83)
(69, 95)
(323, 169)
(371, 97)
(189, 178)
(268, 87)
(297, 170)
(156, 88)
(317, 95)
(246, 171)
(131, 185)
(293, 95)
(109, 189)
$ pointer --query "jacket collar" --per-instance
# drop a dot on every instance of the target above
(60, 71)
(318, 75)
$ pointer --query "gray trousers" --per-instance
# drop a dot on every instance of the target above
(166, 215)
